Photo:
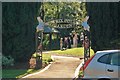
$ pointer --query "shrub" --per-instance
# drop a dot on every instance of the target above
(80, 74)
(7, 61)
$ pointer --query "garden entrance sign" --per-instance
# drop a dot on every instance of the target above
(86, 41)
(63, 23)
(39, 38)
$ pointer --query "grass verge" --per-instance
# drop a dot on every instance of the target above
(18, 73)
(12, 73)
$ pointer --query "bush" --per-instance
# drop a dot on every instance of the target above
(46, 42)
(7, 61)
(55, 44)
(80, 74)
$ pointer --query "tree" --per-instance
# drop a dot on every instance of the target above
(18, 31)
(104, 22)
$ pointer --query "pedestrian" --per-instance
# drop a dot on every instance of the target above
(75, 40)
(66, 43)
(69, 42)
(61, 43)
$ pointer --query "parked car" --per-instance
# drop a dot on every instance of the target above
(104, 64)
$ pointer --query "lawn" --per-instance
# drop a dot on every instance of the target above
(46, 57)
(12, 73)
(72, 52)
(17, 73)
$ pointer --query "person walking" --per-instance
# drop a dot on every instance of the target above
(61, 43)
(69, 42)
(66, 43)
(75, 40)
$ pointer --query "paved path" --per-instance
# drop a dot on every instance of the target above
(63, 67)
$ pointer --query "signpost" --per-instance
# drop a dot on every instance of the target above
(86, 41)
(39, 38)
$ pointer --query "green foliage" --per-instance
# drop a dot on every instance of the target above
(104, 20)
(71, 10)
(55, 44)
(20, 73)
(12, 73)
(46, 42)
(65, 10)
(30, 71)
(35, 55)
(18, 29)
(47, 58)
(62, 10)
(80, 74)
(16, 73)
(7, 61)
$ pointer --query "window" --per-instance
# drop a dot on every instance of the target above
(104, 59)
(115, 58)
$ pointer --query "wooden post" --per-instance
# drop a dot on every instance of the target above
(39, 38)
(84, 47)
(50, 38)
(89, 43)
